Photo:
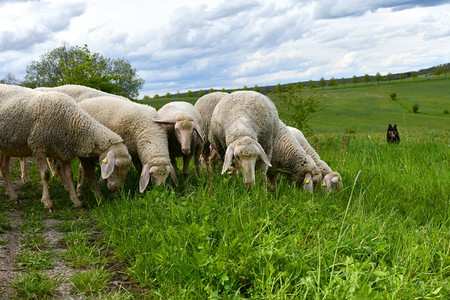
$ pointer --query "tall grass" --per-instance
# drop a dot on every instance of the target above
(384, 235)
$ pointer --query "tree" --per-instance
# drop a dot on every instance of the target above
(10, 79)
(245, 88)
(378, 78)
(156, 96)
(311, 84)
(190, 94)
(77, 65)
(279, 88)
(343, 81)
(402, 76)
(296, 108)
(355, 80)
(445, 70)
(414, 75)
(367, 78)
(200, 93)
(289, 86)
(332, 82)
(389, 77)
(168, 95)
(211, 90)
(257, 89)
(146, 98)
(322, 82)
(437, 71)
(223, 90)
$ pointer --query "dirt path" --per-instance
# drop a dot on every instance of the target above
(8, 254)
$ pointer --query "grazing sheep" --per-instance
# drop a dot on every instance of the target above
(243, 126)
(78, 92)
(290, 159)
(182, 119)
(205, 106)
(331, 180)
(52, 125)
(146, 141)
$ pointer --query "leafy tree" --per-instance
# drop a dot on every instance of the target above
(415, 108)
(393, 96)
(296, 108)
(378, 78)
(401, 76)
(168, 95)
(414, 75)
(156, 96)
(190, 94)
(438, 71)
(299, 85)
(311, 84)
(257, 89)
(223, 90)
(343, 81)
(445, 70)
(146, 98)
(322, 82)
(245, 88)
(279, 88)
(367, 78)
(211, 90)
(332, 82)
(389, 77)
(355, 80)
(77, 65)
(289, 86)
(200, 93)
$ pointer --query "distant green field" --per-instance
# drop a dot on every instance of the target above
(369, 109)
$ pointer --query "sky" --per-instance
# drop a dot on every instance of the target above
(179, 45)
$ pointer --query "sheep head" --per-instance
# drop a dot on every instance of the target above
(245, 151)
(114, 164)
(158, 175)
(183, 129)
(332, 181)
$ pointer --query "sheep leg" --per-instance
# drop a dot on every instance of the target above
(67, 177)
(186, 161)
(45, 176)
(213, 157)
(10, 192)
(197, 161)
(87, 174)
(24, 171)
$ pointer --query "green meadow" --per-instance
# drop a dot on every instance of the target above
(385, 235)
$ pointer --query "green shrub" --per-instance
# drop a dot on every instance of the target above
(415, 108)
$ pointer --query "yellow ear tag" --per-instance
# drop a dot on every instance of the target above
(306, 181)
(105, 160)
(142, 174)
(324, 183)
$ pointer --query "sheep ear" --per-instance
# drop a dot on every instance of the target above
(165, 121)
(107, 164)
(173, 174)
(263, 155)
(228, 157)
(308, 182)
(145, 178)
(199, 131)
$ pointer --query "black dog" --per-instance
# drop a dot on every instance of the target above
(392, 134)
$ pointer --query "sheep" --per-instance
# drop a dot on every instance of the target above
(290, 159)
(243, 126)
(331, 180)
(205, 106)
(146, 141)
(51, 124)
(182, 119)
(78, 92)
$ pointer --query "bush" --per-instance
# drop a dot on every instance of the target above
(446, 112)
(295, 108)
(415, 108)
(393, 96)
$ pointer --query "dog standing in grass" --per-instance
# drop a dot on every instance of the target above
(392, 134)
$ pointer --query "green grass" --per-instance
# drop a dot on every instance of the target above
(91, 282)
(35, 285)
(385, 235)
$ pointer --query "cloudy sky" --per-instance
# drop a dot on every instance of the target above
(179, 45)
